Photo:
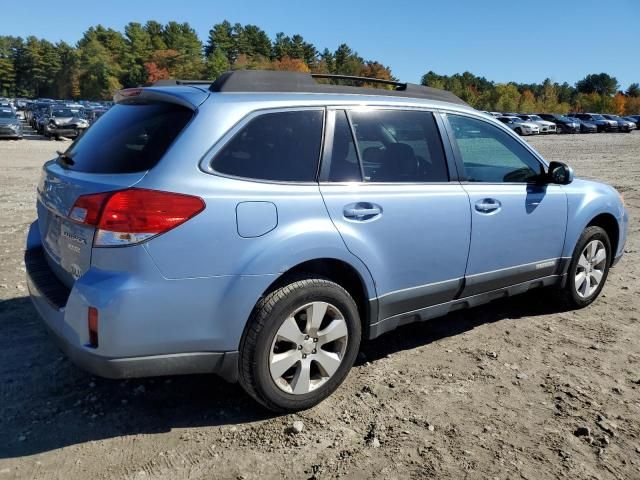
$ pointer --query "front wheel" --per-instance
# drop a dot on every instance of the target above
(299, 344)
(589, 267)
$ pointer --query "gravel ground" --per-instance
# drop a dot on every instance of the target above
(514, 389)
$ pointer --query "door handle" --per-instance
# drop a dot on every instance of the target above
(362, 211)
(488, 205)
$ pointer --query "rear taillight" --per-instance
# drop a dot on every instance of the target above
(131, 216)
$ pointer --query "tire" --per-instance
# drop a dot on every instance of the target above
(574, 291)
(559, 129)
(519, 131)
(283, 313)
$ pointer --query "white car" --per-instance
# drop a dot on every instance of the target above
(545, 125)
(520, 126)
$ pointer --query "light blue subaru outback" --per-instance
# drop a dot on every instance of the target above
(262, 226)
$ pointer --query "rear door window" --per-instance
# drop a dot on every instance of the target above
(344, 159)
(128, 138)
(399, 146)
(275, 146)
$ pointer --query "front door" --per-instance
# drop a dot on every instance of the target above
(518, 223)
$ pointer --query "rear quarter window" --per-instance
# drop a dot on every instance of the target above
(274, 146)
(128, 138)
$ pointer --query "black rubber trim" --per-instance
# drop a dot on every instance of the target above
(52, 289)
(443, 309)
(486, 282)
(411, 299)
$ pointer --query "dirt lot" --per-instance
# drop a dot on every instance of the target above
(495, 392)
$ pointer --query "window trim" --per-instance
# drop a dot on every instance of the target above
(206, 162)
(448, 156)
(500, 126)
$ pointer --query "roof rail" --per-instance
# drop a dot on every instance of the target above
(272, 81)
(332, 76)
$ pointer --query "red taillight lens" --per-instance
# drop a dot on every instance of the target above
(87, 208)
(92, 321)
(130, 216)
(147, 211)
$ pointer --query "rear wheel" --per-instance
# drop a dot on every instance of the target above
(299, 345)
(589, 267)
(559, 129)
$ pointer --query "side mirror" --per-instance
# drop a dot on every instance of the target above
(560, 173)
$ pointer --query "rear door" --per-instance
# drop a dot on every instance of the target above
(390, 195)
(113, 154)
(518, 224)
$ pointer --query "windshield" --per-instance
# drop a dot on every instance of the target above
(6, 114)
(535, 117)
(598, 117)
(517, 119)
(64, 112)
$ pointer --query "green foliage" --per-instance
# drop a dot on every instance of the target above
(600, 83)
(633, 90)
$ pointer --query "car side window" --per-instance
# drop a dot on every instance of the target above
(491, 155)
(276, 146)
(399, 146)
(344, 165)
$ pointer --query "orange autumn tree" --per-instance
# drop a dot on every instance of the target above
(619, 101)
(159, 67)
(289, 64)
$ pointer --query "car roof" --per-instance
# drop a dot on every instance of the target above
(256, 85)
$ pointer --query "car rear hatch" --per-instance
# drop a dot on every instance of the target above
(114, 154)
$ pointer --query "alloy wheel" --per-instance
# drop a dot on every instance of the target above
(308, 348)
(590, 270)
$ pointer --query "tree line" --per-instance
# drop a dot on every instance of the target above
(105, 60)
(594, 93)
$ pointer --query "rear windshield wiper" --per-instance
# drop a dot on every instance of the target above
(65, 159)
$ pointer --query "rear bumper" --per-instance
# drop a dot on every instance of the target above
(46, 298)
(133, 342)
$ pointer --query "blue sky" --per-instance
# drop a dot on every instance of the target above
(500, 39)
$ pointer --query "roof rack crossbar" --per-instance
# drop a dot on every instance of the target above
(332, 76)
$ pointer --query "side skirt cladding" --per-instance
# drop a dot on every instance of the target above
(435, 300)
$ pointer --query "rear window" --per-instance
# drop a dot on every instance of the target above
(278, 146)
(128, 138)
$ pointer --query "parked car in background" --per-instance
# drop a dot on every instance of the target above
(337, 216)
(633, 119)
(94, 114)
(563, 124)
(9, 124)
(64, 121)
(545, 125)
(520, 126)
(586, 127)
(623, 124)
(603, 124)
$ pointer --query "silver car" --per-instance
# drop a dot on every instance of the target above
(9, 124)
